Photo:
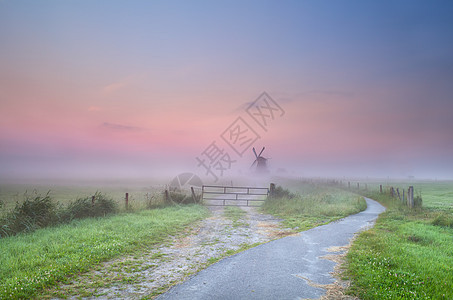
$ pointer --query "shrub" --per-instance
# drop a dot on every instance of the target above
(103, 205)
(280, 192)
(34, 212)
(86, 208)
(418, 200)
(78, 209)
(38, 211)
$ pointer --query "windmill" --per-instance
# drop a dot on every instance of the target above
(261, 162)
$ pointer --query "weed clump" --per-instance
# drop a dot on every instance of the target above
(177, 196)
(34, 212)
(280, 192)
(38, 211)
(312, 205)
(443, 220)
(97, 206)
(418, 201)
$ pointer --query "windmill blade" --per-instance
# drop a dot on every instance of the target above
(253, 163)
(255, 152)
(260, 152)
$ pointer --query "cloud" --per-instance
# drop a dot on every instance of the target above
(119, 127)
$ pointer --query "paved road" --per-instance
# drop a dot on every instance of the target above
(276, 270)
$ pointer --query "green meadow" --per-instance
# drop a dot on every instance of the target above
(409, 252)
(435, 194)
(35, 261)
(140, 192)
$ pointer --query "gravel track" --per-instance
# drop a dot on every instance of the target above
(134, 277)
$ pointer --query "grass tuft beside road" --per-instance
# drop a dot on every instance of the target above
(407, 255)
(32, 262)
(312, 205)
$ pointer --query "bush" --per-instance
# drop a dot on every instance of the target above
(79, 209)
(86, 208)
(280, 192)
(37, 212)
(34, 212)
(103, 205)
(418, 200)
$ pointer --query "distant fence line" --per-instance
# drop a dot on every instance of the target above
(406, 198)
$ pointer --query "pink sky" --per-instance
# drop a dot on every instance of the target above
(83, 95)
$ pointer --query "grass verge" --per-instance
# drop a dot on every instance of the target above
(407, 255)
(32, 262)
(312, 205)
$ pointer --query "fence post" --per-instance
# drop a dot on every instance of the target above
(193, 194)
(202, 193)
(398, 192)
(271, 189)
(349, 185)
(410, 197)
(404, 202)
(380, 188)
(127, 201)
(358, 186)
(92, 200)
(167, 197)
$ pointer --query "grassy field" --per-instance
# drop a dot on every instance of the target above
(32, 262)
(309, 205)
(435, 194)
(140, 191)
(409, 253)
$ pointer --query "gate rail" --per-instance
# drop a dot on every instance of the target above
(233, 195)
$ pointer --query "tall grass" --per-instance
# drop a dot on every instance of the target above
(32, 262)
(141, 194)
(37, 211)
(434, 193)
(407, 255)
(312, 205)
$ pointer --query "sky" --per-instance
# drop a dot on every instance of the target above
(137, 88)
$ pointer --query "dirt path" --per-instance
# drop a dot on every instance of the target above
(153, 272)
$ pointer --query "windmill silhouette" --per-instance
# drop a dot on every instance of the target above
(261, 162)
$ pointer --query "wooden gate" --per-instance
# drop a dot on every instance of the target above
(213, 195)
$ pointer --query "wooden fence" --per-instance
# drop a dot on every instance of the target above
(406, 197)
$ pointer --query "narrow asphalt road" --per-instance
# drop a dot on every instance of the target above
(280, 269)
